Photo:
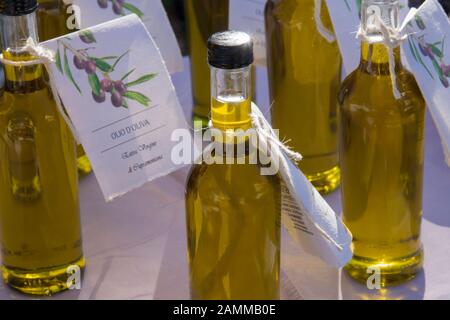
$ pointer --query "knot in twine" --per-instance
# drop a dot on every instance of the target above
(45, 57)
(267, 135)
(391, 38)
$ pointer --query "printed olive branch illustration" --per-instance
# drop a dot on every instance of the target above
(358, 5)
(120, 7)
(118, 89)
(348, 6)
(434, 51)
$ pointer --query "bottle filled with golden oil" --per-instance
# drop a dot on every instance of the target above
(381, 156)
(304, 69)
(233, 212)
(40, 228)
(52, 23)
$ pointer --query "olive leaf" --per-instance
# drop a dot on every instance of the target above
(136, 96)
(412, 49)
(58, 61)
(102, 64)
(141, 80)
(88, 35)
(436, 50)
(108, 58)
(348, 6)
(94, 82)
(125, 103)
(128, 74)
(133, 9)
(359, 4)
(118, 59)
(69, 72)
(421, 60)
(420, 23)
(438, 69)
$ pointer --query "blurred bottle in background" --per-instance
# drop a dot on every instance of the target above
(304, 68)
(52, 23)
(204, 18)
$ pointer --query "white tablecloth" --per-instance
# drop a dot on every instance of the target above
(136, 246)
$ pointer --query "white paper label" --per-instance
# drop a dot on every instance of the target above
(427, 53)
(248, 16)
(306, 215)
(119, 96)
(151, 12)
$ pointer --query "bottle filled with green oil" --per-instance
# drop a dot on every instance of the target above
(304, 70)
(52, 23)
(381, 157)
(233, 212)
(39, 212)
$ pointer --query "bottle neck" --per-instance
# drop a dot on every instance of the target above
(15, 31)
(231, 98)
(375, 58)
(374, 53)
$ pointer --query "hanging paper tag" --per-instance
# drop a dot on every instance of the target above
(90, 13)
(427, 53)
(346, 18)
(116, 89)
(306, 215)
(248, 16)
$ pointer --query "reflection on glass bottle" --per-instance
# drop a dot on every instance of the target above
(304, 74)
(381, 155)
(52, 23)
(22, 157)
(233, 212)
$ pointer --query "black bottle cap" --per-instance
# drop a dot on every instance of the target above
(17, 7)
(230, 50)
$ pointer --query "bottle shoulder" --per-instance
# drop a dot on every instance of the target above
(374, 91)
(215, 176)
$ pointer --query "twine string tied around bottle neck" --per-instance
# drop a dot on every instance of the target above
(45, 57)
(392, 37)
(267, 136)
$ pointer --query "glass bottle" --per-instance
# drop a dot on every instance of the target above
(39, 212)
(381, 157)
(204, 18)
(304, 75)
(52, 23)
(233, 212)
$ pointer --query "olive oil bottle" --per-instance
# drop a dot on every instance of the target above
(204, 17)
(233, 212)
(52, 23)
(39, 212)
(381, 157)
(304, 75)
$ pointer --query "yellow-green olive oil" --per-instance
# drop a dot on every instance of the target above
(381, 156)
(304, 73)
(52, 23)
(39, 212)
